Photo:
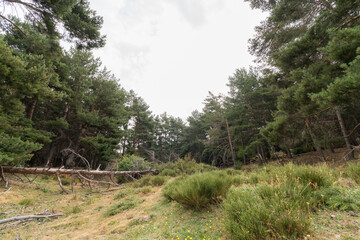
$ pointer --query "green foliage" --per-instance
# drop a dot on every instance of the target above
(14, 151)
(132, 163)
(125, 204)
(198, 191)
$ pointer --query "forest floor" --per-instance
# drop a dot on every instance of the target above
(130, 213)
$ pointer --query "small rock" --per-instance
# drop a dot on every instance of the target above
(351, 213)
(332, 216)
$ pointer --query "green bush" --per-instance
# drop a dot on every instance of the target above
(266, 212)
(132, 163)
(316, 177)
(150, 181)
(183, 167)
(353, 171)
(168, 172)
(238, 165)
(200, 190)
(157, 181)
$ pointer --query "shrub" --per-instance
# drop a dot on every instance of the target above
(125, 204)
(132, 163)
(316, 177)
(353, 171)
(150, 181)
(168, 172)
(238, 165)
(198, 191)
(157, 181)
(265, 212)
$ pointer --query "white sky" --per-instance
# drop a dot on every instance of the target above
(172, 52)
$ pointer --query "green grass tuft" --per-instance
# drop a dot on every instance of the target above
(200, 190)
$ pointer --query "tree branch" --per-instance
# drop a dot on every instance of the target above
(13, 24)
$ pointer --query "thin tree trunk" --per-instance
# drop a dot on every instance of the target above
(243, 151)
(230, 143)
(32, 109)
(344, 133)
(288, 153)
(313, 137)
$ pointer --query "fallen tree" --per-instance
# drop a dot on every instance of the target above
(83, 175)
(12, 219)
(61, 171)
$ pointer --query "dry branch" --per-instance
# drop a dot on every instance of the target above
(78, 155)
(12, 219)
(6, 191)
(60, 183)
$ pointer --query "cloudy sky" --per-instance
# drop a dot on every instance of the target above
(172, 52)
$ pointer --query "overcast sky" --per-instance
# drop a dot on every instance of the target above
(172, 52)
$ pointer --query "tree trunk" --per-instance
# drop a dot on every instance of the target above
(243, 151)
(32, 109)
(344, 133)
(288, 153)
(313, 138)
(231, 146)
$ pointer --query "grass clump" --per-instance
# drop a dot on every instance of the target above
(337, 198)
(198, 191)
(266, 212)
(26, 202)
(74, 210)
(125, 204)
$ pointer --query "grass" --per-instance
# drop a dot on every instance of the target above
(125, 204)
(285, 202)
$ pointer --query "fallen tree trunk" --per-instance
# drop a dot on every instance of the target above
(28, 217)
(55, 171)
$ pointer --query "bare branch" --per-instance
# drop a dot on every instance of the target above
(6, 191)
(14, 24)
